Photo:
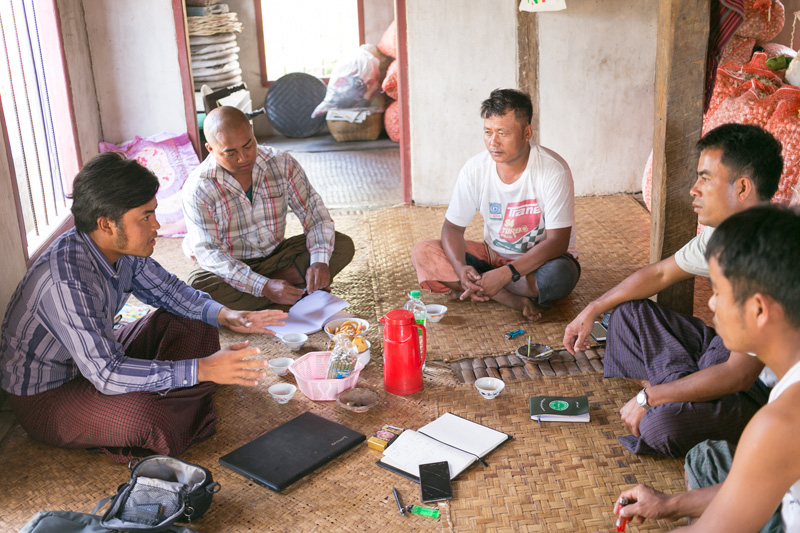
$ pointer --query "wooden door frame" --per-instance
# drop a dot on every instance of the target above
(185, 65)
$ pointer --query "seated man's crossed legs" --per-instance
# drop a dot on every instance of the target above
(652, 345)
(289, 261)
(531, 294)
(135, 424)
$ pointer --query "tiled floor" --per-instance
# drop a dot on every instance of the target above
(349, 176)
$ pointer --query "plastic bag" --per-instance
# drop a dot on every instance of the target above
(353, 82)
(344, 357)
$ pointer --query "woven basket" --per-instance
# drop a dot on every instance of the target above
(368, 130)
(214, 24)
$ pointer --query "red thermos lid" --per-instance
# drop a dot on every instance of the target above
(398, 317)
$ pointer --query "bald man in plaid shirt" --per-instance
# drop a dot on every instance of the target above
(236, 204)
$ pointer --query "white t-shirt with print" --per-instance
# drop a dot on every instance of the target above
(517, 216)
(692, 257)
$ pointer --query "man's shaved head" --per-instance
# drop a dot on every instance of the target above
(224, 118)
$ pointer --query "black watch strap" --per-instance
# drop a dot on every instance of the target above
(514, 274)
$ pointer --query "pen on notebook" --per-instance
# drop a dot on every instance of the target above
(397, 499)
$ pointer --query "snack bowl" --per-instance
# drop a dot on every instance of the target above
(358, 400)
(282, 392)
(539, 352)
(489, 387)
(331, 327)
(280, 365)
(364, 356)
(435, 312)
(294, 341)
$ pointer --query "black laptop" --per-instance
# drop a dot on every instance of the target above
(292, 450)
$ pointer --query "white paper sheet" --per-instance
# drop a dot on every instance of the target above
(464, 434)
(311, 313)
(412, 449)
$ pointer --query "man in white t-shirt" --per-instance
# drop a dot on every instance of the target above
(693, 388)
(753, 259)
(526, 197)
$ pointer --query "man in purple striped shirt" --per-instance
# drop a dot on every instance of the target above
(236, 203)
(146, 388)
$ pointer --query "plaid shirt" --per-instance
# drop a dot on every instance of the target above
(60, 321)
(224, 227)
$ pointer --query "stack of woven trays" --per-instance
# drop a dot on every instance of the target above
(213, 46)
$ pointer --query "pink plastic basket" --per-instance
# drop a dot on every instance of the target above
(311, 370)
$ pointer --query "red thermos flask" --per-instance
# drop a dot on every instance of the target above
(402, 360)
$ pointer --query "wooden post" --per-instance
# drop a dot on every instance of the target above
(528, 53)
(683, 30)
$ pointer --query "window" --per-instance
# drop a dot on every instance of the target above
(37, 116)
(307, 35)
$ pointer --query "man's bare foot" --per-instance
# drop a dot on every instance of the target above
(529, 310)
(453, 295)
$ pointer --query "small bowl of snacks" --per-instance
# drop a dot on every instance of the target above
(346, 326)
(294, 341)
(358, 400)
(435, 312)
(489, 387)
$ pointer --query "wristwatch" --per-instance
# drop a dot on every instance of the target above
(514, 274)
(641, 399)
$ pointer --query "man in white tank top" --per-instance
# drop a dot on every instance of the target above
(753, 260)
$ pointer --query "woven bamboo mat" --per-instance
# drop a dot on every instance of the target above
(550, 477)
(613, 241)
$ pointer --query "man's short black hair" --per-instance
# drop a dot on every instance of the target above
(110, 185)
(751, 150)
(758, 250)
(503, 100)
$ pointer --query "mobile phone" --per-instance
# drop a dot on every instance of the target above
(599, 332)
(434, 482)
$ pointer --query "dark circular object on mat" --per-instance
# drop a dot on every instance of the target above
(290, 101)
(539, 352)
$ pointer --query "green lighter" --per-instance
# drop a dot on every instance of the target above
(424, 511)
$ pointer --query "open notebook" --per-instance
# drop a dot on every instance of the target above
(448, 438)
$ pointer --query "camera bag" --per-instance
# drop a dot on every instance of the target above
(161, 490)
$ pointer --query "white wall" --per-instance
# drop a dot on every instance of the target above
(378, 14)
(458, 53)
(596, 87)
(135, 66)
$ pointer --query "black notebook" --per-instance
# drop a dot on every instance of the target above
(449, 438)
(292, 450)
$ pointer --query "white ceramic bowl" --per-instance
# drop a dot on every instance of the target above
(364, 356)
(280, 365)
(435, 312)
(331, 327)
(282, 392)
(294, 341)
(489, 387)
